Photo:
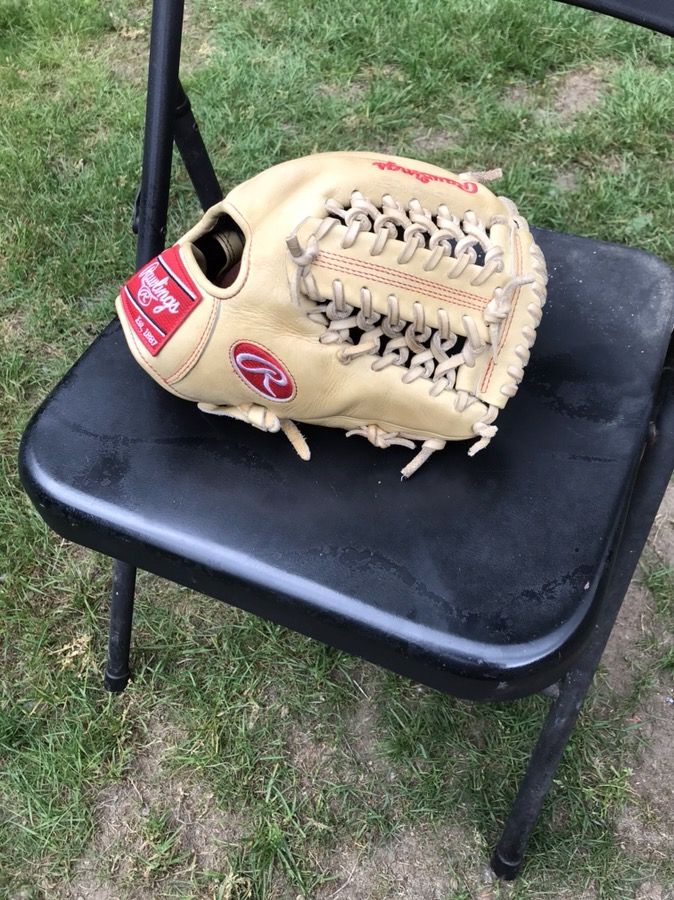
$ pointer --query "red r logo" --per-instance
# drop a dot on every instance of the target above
(262, 372)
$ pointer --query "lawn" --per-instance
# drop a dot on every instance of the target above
(245, 761)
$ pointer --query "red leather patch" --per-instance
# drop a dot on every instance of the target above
(158, 299)
(262, 371)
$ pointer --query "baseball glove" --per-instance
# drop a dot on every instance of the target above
(359, 291)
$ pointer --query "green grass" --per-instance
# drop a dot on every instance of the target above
(301, 759)
(660, 582)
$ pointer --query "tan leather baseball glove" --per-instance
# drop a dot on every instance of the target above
(361, 291)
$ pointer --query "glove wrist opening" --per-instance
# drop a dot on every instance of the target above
(218, 252)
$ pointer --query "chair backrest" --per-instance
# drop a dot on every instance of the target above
(655, 14)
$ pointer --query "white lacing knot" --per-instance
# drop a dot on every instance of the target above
(384, 439)
(483, 177)
(420, 350)
(447, 236)
(484, 428)
(380, 438)
(264, 419)
(498, 308)
(429, 347)
(424, 350)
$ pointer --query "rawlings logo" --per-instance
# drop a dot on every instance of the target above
(153, 290)
(425, 177)
(262, 372)
(158, 299)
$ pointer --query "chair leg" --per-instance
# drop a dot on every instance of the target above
(162, 94)
(117, 672)
(641, 502)
(507, 857)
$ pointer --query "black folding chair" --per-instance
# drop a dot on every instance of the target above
(561, 503)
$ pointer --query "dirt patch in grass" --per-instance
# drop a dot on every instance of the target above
(661, 538)
(422, 864)
(152, 829)
(576, 93)
(566, 181)
(651, 890)
(12, 328)
(360, 735)
(432, 140)
(519, 95)
(627, 655)
(382, 70)
(125, 53)
(647, 824)
(312, 759)
(356, 90)
(353, 91)
(561, 97)
(415, 864)
(125, 48)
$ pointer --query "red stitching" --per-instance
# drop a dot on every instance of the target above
(439, 294)
(486, 378)
(436, 295)
(205, 335)
(158, 374)
(403, 275)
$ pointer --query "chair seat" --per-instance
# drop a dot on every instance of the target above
(477, 576)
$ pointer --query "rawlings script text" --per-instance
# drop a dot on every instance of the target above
(425, 177)
(153, 290)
